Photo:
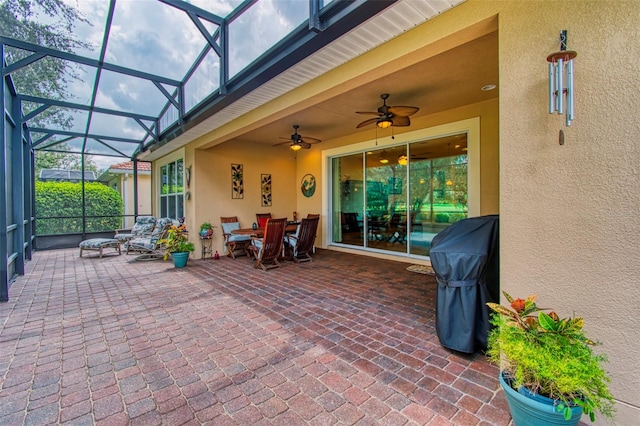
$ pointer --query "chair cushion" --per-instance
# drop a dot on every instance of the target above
(161, 226)
(258, 243)
(144, 225)
(230, 226)
(262, 222)
(96, 243)
(123, 238)
(292, 239)
(147, 243)
(239, 237)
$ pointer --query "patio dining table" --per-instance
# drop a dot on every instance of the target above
(259, 232)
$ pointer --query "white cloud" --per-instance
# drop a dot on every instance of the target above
(154, 37)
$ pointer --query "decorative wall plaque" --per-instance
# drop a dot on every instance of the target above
(265, 187)
(237, 181)
(308, 185)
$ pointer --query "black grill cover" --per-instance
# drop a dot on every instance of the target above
(465, 259)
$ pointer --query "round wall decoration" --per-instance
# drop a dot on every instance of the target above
(308, 186)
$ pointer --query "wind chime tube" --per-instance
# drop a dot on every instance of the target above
(552, 80)
(559, 88)
(570, 104)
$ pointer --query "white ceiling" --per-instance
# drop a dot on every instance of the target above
(449, 80)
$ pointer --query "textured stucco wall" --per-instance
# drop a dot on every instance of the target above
(569, 214)
(211, 185)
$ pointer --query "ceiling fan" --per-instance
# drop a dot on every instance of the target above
(297, 141)
(388, 116)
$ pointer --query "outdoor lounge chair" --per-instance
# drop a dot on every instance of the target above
(236, 245)
(301, 243)
(151, 244)
(268, 249)
(142, 228)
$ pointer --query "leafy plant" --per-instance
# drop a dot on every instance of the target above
(206, 226)
(550, 356)
(176, 241)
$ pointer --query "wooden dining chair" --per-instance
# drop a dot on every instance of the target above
(268, 249)
(236, 245)
(261, 219)
(313, 216)
(301, 243)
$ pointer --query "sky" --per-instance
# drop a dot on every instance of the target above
(153, 37)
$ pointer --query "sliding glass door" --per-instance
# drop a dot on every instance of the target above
(395, 199)
(348, 200)
(438, 181)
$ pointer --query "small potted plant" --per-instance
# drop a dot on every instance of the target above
(206, 229)
(548, 366)
(177, 246)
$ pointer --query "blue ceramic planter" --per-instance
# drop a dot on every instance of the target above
(535, 410)
(180, 259)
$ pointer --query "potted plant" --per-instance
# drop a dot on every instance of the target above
(177, 246)
(548, 367)
(206, 229)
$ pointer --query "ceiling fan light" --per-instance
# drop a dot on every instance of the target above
(403, 160)
(384, 123)
(295, 147)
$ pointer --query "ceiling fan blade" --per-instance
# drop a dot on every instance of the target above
(308, 139)
(403, 110)
(367, 122)
(304, 145)
(400, 121)
(367, 112)
(287, 142)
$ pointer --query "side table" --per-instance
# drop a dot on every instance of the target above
(207, 246)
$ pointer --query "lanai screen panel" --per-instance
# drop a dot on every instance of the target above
(260, 27)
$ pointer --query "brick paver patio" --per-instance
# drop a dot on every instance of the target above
(344, 340)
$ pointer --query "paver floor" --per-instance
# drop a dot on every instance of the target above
(344, 339)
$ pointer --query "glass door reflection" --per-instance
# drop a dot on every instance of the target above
(348, 200)
(386, 207)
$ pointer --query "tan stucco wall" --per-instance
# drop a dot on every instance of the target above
(569, 214)
(211, 185)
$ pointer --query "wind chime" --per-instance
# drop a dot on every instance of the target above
(561, 80)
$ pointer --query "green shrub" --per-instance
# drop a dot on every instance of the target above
(442, 217)
(65, 199)
(550, 356)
